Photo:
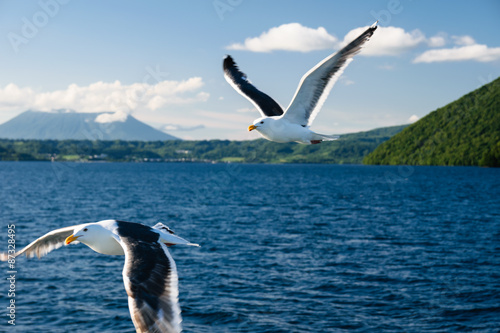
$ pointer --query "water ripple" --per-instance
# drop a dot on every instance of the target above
(285, 248)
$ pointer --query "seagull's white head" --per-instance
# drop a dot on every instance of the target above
(260, 124)
(86, 233)
(272, 128)
(97, 238)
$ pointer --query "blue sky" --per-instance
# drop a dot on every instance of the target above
(161, 60)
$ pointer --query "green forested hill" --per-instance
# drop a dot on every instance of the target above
(349, 148)
(464, 132)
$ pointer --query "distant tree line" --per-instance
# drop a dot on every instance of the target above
(349, 149)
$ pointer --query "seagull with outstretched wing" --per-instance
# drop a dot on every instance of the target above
(149, 273)
(293, 124)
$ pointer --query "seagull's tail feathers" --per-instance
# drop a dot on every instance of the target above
(325, 137)
(318, 138)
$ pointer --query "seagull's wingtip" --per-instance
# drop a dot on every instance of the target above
(228, 61)
(374, 25)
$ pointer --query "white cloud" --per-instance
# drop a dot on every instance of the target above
(111, 117)
(437, 41)
(177, 127)
(413, 118)
(476, 52)
(466, 49)
(288, 37)
(463, 40)
(11, 96)
(441, 39)
(387, 41)
(104, 96)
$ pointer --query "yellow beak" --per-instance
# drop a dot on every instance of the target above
(251, 127)
(70, 239)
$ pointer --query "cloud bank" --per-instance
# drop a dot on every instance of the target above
(466, 49)
(387, 41)
(104, 96)
(288, 37)
(298, 38)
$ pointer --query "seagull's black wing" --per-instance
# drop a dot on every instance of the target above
(150, 278)
(238, 80)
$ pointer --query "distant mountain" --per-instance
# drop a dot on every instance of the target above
(64, 125)
(464, 132)
(348, 149)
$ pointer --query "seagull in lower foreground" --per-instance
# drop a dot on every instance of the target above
(149, 274)
(293, 124)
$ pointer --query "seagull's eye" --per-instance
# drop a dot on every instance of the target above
(262, 122)
(85, 229)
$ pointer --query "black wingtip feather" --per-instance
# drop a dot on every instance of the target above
(228, 62)
(266, 105)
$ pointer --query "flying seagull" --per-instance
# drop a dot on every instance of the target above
(149, 273)
(293, 124)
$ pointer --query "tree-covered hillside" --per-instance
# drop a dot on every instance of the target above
(349, 148)
(464, 132)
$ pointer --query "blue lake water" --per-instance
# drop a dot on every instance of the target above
(284, 248)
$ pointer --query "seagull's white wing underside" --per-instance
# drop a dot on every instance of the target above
(43, 245)
(316, 84)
